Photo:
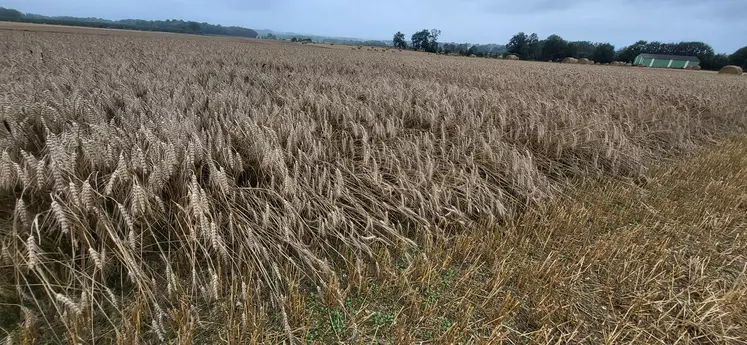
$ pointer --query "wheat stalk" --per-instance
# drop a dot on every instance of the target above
(71, 306)
(348, 156)
(59, 214)
(96, 258)
(33, 251)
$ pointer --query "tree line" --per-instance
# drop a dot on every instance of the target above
(177, 26)
(525, 46)
(708, 58)
(555, 48)
(281, 36)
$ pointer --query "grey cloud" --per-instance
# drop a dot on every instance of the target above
(716, 8)
(532, 6)
(725, 9)
(247, 5)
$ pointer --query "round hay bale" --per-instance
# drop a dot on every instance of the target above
(731, 69)
(570, 60)
(697, 67)
(512, 57)
(584, 61)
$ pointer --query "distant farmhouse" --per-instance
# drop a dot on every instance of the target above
(666, 61)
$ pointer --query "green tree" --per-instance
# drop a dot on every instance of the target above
(583, 49)
(449, 48)
(739, 58)
(426, 40)
(10, 15)
(525, 46)
(699, 49)
(518, 43)
(399, 40)
(702, 51)
(131, 24)
(629, 53)
(465, 49)
(194, 27)
(433, 40)
(656, 47)
(604, 53)
(420, 40)
(553, 48)
(454, 48)
(534, 48)
(714, 62)
(572, 49)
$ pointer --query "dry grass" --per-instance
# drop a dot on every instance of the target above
(49, 28)
(170, 188)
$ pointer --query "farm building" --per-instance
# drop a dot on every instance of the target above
(666, 61)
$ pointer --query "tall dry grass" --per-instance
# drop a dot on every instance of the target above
(148, 183)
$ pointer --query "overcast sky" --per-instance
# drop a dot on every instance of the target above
(720, 23)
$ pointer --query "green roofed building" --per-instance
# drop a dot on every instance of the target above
(666, 61)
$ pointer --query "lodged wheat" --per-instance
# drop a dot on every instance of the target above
(190, 164)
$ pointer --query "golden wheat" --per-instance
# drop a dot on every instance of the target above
(200, 163)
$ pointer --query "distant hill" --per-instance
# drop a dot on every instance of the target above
(320, 38)
(180, 26)
(191, 27)
(487, 50)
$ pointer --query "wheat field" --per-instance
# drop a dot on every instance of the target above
(172, 188)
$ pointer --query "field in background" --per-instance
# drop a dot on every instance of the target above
(50, 28)
(162, 187)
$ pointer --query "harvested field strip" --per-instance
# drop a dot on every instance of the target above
(612, 263)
